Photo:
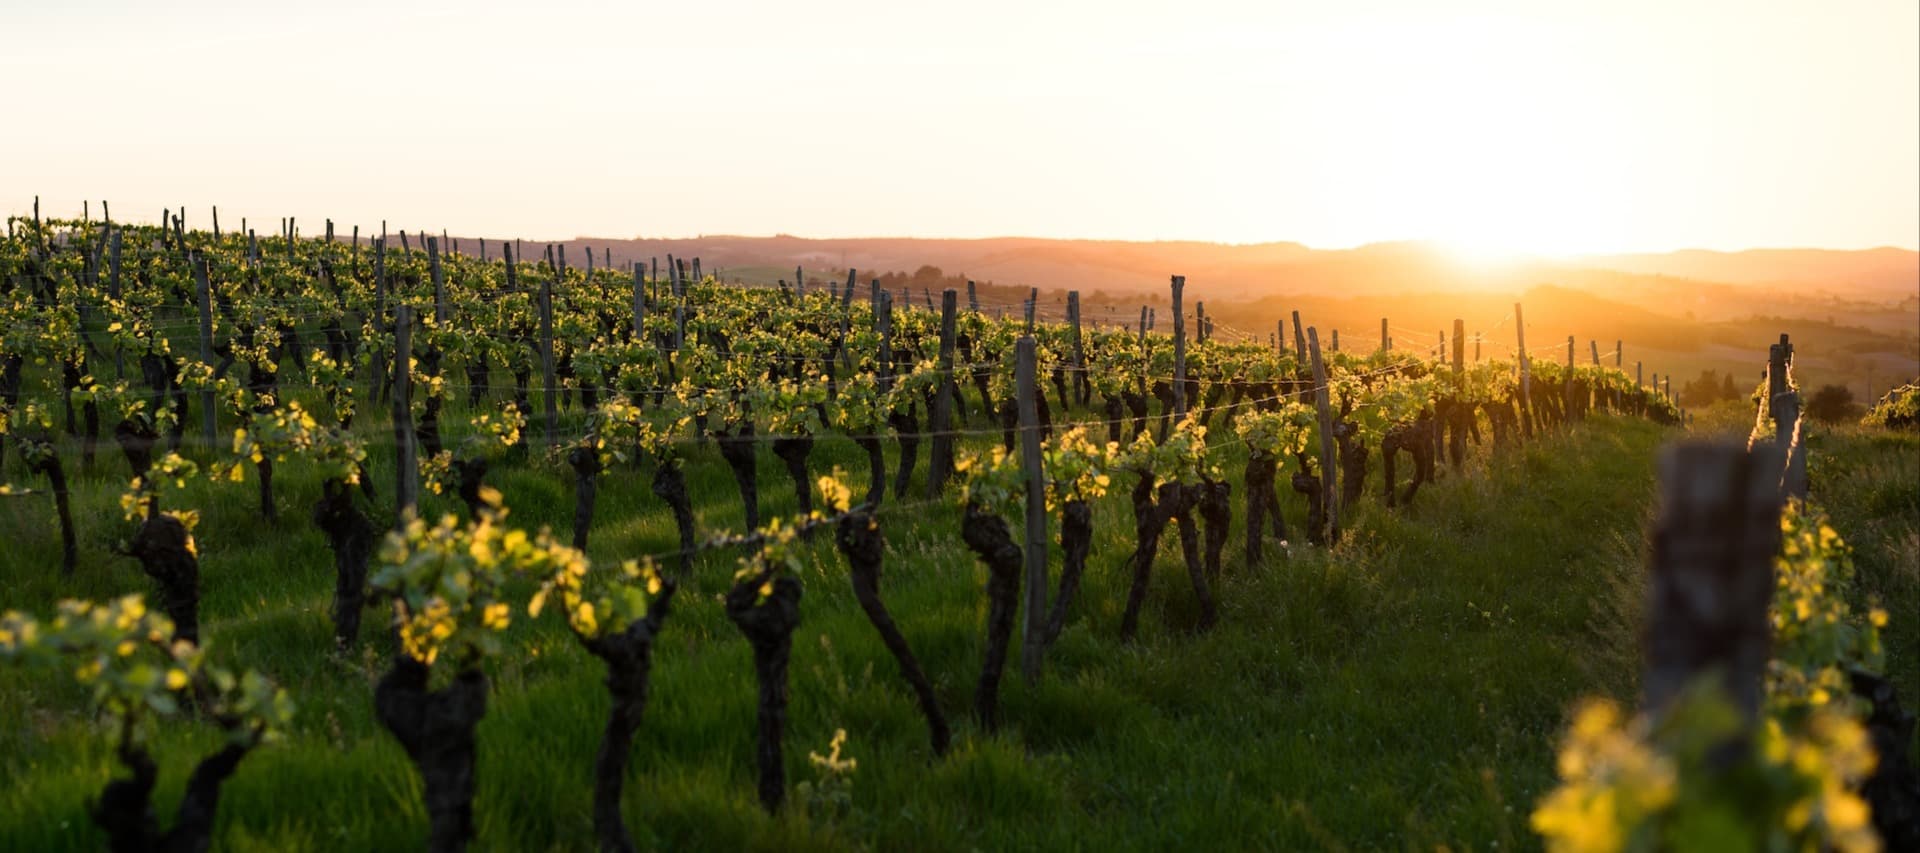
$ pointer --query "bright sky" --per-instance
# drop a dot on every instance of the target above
(1530, 126)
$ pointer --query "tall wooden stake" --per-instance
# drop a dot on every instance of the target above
(1033, 639)
(1711, 572)
(546, 362)
(406, 487)
(207, 419)
(1179, 351)
(1329, 458)
(1526, 381)
(940, 457)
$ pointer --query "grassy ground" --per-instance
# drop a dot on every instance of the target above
(1405, 689)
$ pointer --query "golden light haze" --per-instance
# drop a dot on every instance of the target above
(1491, 126)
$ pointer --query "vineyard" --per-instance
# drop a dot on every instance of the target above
(523, 551)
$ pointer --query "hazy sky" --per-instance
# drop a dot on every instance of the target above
(1542, 126)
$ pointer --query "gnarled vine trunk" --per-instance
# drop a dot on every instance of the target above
(136, 440)
(350, 536)
(860, 540)
(585, 462)
(986, 535)
(436, 728)
(1076, 540)
(768, 625)
(628, 656)
(906, 428)
(876, 469)
(1262, 504)
(49, 464)
(737, 448)
(161, 546)
(793, 452)
(125, 807)
(670, 485)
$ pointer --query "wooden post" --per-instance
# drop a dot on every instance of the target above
(1329, 457)
(380, 297)
(207, 416)
(1299, 336)
(1033, 639)
(1711, 571)
(1459, 347)
(1476, 347)
(1784, 406)
(1526, 381)
(406, 487)
(1567, 384)
(1179, 351)
(1030, 306)
(973, 298)
(1199, 321)
(1385, 342)
(940, 457)
(113, 290)
(546, 361)
(1616, 354)
(1639, 375)
(1081, 382)
(1595, 346)
(883, 326)
(1336, 340)
(1279, 337)
(679, 323)
(846, 299)
(439, 283)
(639, 303)
(1776, 388)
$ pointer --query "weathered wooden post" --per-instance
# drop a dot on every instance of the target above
(639, 303)
(1784, 406)
(1179, 351)
(546, 362)
(1711, 568)
(1083, 387)
(883, 326)
(207, 418)
(439, 283)
(1526, 381)
(1299, 337)
(940, 456)
(1459, 347)
(406, 487)
(1461, 414)
(1329, 458)
(1033, 642)
(1567, 385)
(1385, 343)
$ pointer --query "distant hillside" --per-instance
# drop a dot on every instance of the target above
(1858, 312)
(1707, 284)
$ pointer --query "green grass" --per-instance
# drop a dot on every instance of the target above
(1403, 690)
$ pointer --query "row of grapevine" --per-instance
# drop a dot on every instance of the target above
(228, 357)
(1768, 722)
